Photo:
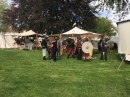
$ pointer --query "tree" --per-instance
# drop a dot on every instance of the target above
(3, 6)
(54, 16)
(121, 8)
(57, 16)
(104, 26)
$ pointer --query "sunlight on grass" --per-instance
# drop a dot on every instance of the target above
(25, 74)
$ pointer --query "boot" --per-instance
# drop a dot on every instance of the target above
(54, 59)
(44, 58)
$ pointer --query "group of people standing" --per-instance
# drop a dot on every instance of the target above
(53, 49)
(72, 48)
(75, 49)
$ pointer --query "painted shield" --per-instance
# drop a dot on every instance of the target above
(87, 47)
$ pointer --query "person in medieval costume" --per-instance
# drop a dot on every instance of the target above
(86, 56)
(78, 51)
(54, 49)
(70, 47)
(44, 48)
(99, 48)
(103, 50)
(58, 48)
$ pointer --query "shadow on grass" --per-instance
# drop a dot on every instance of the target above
(118, 57)
(127, 62)
(95, 51)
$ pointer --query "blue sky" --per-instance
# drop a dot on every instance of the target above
(113, 18)
(109, 15)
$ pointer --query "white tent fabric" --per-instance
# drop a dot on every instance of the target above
(114, 38)
(76, 30)
(95, 43)
(3, 43)
(10, 41)
(14, 35)
(124, 37)
(28, 33)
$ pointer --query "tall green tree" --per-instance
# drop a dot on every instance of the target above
(104, 26)
(54, 16)
(3, 6)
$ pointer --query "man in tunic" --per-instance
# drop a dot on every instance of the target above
(70, 47)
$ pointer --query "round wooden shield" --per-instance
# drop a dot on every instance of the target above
(87, 47)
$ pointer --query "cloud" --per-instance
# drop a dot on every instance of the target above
(110, 13)
(9, 1)
(113, 17)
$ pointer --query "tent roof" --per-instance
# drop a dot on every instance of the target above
(114, 39)
(28, 33)
(90, 34)
(12, 34)
(76, 30)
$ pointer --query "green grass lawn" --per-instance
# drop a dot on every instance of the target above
(25, 74)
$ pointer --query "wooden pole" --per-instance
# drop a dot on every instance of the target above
(36, 41)
(104, 35)
(72, 35)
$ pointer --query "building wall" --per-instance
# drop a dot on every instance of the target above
(124, 37)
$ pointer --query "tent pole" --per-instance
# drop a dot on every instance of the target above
(104, 35)
(72, 36)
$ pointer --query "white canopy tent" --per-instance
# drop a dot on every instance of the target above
(14, 35)
(114, 38)
(82, 33)
(76, 30)
(28, 33)
(30, 45)
(6, 41)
